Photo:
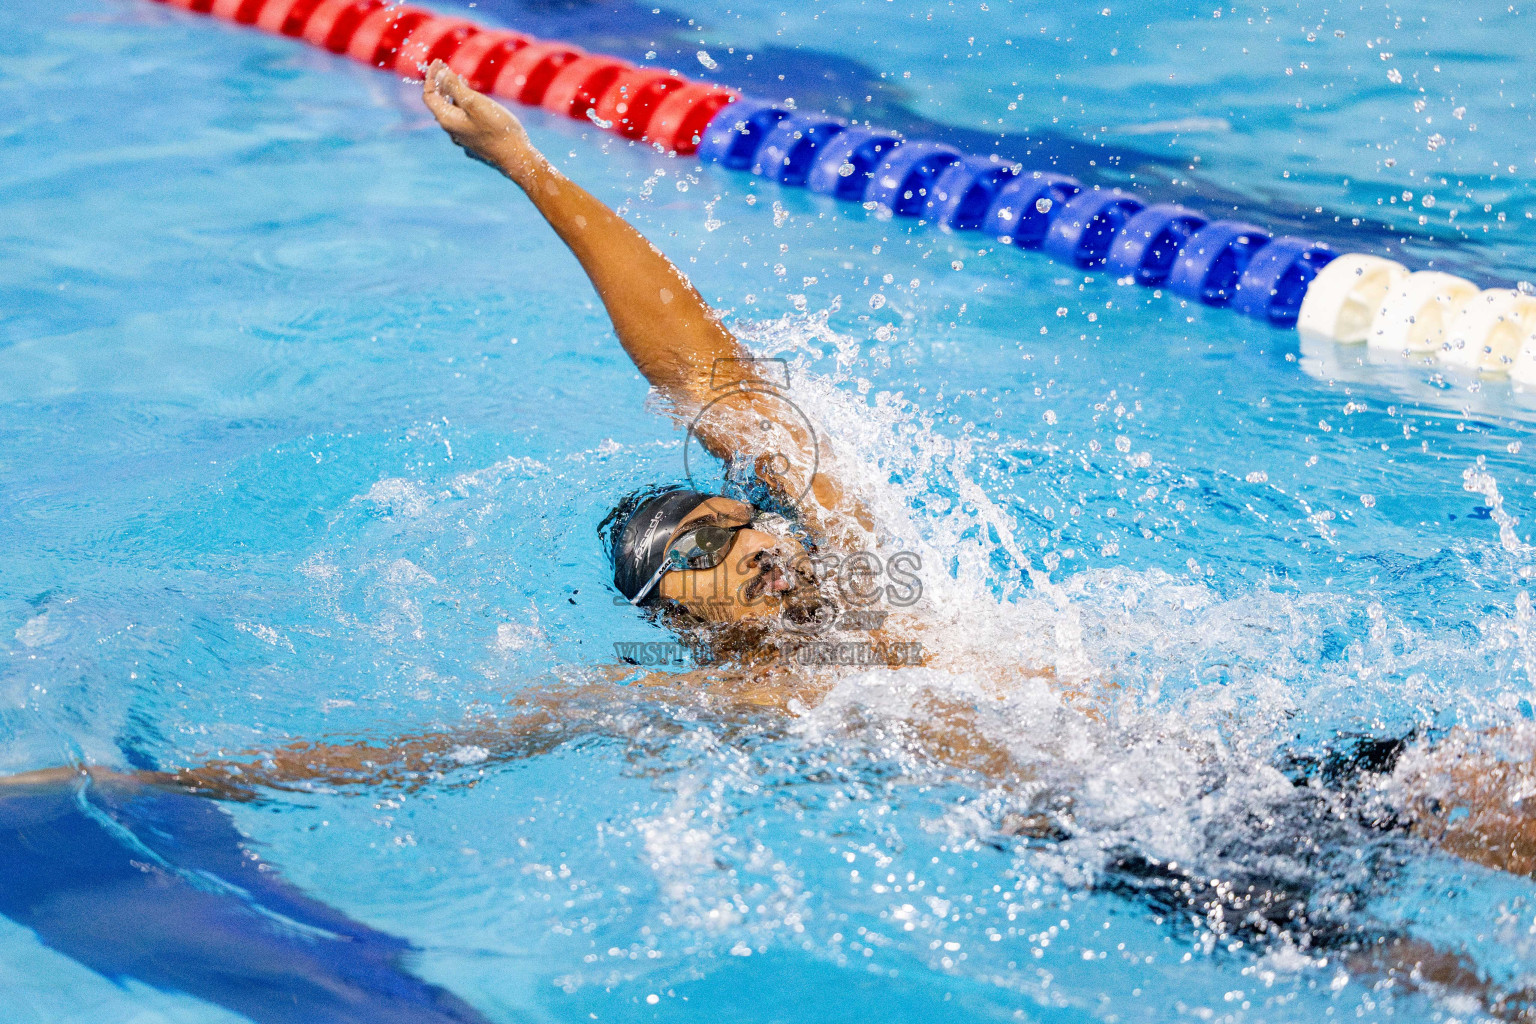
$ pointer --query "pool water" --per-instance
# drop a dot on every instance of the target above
(306, 423)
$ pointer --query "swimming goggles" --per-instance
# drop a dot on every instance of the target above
(703, 548)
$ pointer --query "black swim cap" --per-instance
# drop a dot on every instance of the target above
(637, 532)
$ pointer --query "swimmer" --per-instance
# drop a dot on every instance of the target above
(708, 567)
(113, 869)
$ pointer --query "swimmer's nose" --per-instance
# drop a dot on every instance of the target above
(773, 563)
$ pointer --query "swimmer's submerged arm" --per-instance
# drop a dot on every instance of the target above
(674, 337)
(539, 724)
(535, 722)
(543, 719)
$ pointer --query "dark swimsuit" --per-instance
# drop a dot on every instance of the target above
(1296, 869)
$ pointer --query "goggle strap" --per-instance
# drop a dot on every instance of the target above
(667, 565)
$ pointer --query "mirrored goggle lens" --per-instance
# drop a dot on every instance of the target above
(705, 547)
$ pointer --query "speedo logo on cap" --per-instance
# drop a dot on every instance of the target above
(644, 547)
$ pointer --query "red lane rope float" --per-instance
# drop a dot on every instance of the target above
(434, 39)
(630, 100)
(481, 57)
(530, 70)
(678, 121)
(242, 12)
(659, 107)
(333, 22)
(580, 84)
(378, 37)
(285, 17)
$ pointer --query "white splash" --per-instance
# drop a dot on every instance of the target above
(1478, 480)
(399, 497)
(39, 631)
(469, 754)
(516, 636)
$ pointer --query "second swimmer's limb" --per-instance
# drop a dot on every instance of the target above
(1471, 794)
(1418, 966)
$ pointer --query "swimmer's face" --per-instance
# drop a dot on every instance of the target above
(762, 575)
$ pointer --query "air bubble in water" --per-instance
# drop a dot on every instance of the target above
(876, 301)
(1043, 204)
(708, 61)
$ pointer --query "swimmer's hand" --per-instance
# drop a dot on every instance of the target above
(483, 128)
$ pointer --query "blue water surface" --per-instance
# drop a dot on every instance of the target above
(306, 424)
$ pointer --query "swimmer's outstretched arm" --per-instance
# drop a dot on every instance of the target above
(543, 719)
(667, 328)
(674, 337)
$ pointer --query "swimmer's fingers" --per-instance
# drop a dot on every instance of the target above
(480, 107)
(478, 124)
(451, 84)
(439, 102)
(448, 115)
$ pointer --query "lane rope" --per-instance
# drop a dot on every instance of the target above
(1284, 281)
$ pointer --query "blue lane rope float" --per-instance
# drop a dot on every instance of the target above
(1087, 227)
(1150, 241)
(1285, 281)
